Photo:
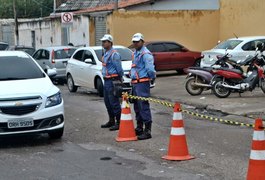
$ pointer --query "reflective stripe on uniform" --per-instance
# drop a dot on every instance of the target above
(140, 80)
(105, 64)
(134, 65)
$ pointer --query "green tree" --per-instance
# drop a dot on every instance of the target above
(26, 8)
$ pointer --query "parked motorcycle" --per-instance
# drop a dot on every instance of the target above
(198, 79)
(226, 80)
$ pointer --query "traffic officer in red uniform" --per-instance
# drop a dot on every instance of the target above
(111, 71)
(142, 72)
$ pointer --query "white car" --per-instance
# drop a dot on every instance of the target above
(29, 102)
(238, 48)
(85, 68)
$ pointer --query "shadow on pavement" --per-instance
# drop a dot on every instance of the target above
(18, 141)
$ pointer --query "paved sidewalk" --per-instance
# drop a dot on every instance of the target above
(171, 86)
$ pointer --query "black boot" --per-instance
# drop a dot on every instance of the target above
(147, 132)
(139, 129)
(116, 126)
(110, 123)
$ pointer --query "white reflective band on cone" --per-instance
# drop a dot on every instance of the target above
(177, 116)
(123, 105)
(177, 131)
(257, 155)
(258, 135)
(126, 117)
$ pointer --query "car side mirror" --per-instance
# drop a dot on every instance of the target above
(89, 61)
(51, 72)
(184, 49)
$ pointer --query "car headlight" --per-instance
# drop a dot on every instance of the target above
(53, 100)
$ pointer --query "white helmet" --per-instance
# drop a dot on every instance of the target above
(138, 37)
(107, 37)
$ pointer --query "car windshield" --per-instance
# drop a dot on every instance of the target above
(3, 46)
(18, 68)
(64, 53)
(126, 54)
(229, 44)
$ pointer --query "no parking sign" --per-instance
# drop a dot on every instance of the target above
(67, 18)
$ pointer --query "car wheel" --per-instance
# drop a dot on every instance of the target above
(99, 87)
(197, 63)
(56, 134)
(70, 84)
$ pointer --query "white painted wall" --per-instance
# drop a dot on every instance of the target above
(48, 32)
(79, 32)
(179, 5)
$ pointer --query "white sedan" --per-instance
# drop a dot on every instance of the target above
(84, 68)
(29, 102)
(238, 48)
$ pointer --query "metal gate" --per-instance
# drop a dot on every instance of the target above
(100, 24)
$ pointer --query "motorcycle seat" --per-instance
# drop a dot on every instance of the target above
(208, 69)
(232, 70)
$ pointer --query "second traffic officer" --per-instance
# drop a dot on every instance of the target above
(142, 72)
(111, 71)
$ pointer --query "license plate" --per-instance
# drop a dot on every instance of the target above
(20, 123)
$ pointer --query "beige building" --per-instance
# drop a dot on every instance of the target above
(197, 30)
(242, 17)
(196, 24)
(189, 22)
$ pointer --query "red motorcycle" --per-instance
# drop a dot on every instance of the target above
(227, 80)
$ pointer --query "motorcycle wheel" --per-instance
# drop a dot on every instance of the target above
(219, 90)
(193, 89)
(262, 86)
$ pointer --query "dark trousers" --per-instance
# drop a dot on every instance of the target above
(142, 108)
(112, 102)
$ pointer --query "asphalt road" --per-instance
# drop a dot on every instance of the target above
(88, 152)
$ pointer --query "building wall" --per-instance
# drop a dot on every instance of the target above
(43, 33)
(179, 5)
(7, 31)
(79, 32)
(244, 18)
(197, 30)
(48, 32)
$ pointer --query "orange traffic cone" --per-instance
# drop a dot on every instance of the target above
(256, 167)
(177, 149)
(126, 130)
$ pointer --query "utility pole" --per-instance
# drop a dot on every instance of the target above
(54, 6)
(16, 22)
(116, 5)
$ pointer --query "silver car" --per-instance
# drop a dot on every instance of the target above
(54, 58)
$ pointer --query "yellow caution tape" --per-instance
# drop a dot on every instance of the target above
(171, 105)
